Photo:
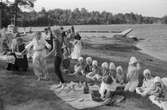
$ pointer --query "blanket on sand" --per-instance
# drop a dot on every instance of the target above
(73, 95)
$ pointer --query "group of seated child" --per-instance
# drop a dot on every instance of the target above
(111, 77)
(92, 71)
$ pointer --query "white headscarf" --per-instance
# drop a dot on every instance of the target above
(80, 59)
(104, 65)
(132, 60)
(119, 68)
(146, 71)
(112, 66)
(95, 63)
(157, 79)
(89, 59)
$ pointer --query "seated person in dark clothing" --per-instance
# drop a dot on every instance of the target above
(88, 66)
(21, 61)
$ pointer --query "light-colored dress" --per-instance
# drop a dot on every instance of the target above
(38, 55)
(159, 96)
(146, 87)
(133, 77)
(76, 53)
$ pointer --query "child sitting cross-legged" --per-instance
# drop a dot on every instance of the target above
(78, 68)
(88, 66)
(104, 69)
(112, 70)
(120, 76)
(95, 74)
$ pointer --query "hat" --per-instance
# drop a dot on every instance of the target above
(112, 66)
(157, 79)
(119, 68)
(104, 65)
(80, 59)
(89, 59)
(146, 71)
(132, 60)
(95, 63)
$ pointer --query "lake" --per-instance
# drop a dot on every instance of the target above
(154, 35)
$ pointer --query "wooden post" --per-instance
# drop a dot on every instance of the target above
(1, 15)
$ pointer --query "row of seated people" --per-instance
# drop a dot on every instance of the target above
(111, 77)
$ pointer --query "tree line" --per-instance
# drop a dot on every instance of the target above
(76, 17)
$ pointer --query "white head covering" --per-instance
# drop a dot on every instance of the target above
(80, 59)
(95, 63)
(157, 79)
(119, 68)
(132, 60)
(89, 59)
(104, 65)
(112, 66)
(146, 71)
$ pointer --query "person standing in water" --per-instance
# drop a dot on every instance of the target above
(58, 55)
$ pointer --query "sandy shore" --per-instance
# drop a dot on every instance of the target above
(21, 91)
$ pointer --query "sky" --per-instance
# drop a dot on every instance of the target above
(154, 8)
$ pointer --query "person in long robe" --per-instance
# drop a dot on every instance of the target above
(38, 45)
(132, 75)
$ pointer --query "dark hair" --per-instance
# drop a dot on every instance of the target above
(107, 79)
(20, 39)
(77, 36)
(61, 27)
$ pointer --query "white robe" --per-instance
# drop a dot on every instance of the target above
(76, 53)
(132, 75)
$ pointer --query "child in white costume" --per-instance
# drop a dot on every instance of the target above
(147, 83)
(120, 76)
(38, 45)
(158, 95)
(132, 75)
(79, 67)
(95, 74)
(112, 70)
(105, 69)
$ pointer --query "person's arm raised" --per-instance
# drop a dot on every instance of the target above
(53, 50)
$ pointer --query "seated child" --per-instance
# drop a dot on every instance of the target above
(88, 66)
(120, 76)
(132, 75)
(108, 92)
(106, 86)
(78, 68)
(158, 94)
(95, 74)
(104, 69)
(147, 83)
(112, 70)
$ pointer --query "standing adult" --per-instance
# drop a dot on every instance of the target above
(58, 55)
(38, 45)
